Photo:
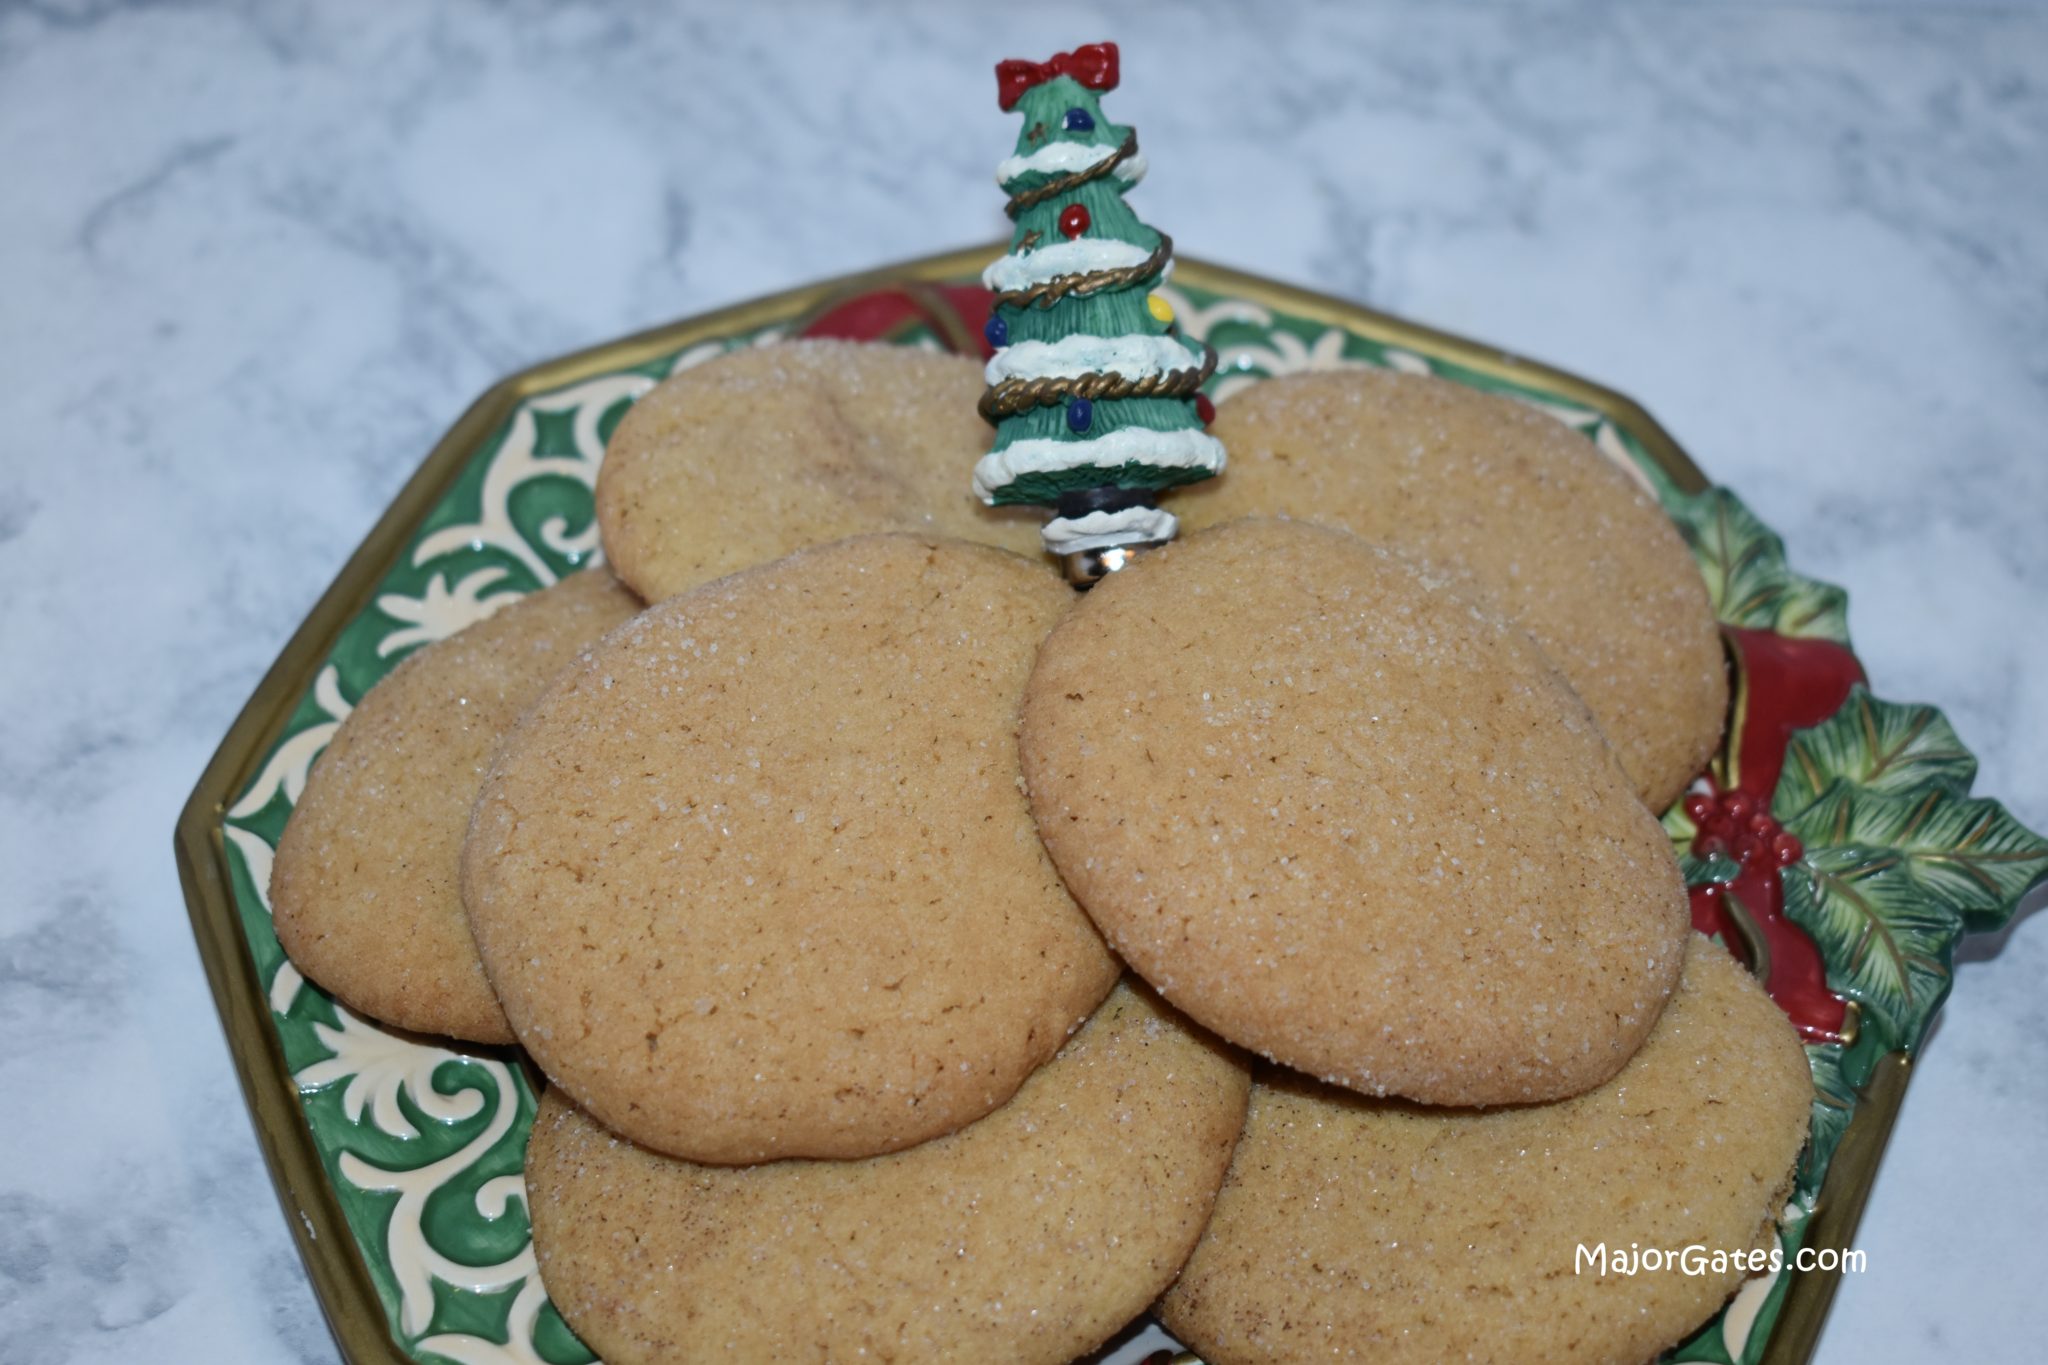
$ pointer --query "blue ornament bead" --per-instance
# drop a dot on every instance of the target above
(1080, 121)
(1080, 412)
(997, 332)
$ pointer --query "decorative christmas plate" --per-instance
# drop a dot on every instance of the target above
(1833, 844)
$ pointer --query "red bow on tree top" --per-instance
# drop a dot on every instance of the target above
(1093, 66)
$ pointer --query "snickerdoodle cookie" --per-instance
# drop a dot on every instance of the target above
(1029, 1236)
(1344, 817)
(755, 879)
(745, 458)
(1387, 1231)
(1556, 536)
(364, 892)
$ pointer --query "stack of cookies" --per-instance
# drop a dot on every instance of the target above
(932, 963)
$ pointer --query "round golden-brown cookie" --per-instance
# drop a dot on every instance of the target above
(755, 878)
(1353, 1228)
(1348, 820)
(1555, 535)
(1030, 1236)
(745, 458)
(365, 890)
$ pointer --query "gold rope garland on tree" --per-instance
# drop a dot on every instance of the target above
(1020, 395)
(1089, 282)
(1073, 179)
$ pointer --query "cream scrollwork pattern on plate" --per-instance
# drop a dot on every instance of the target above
(1272, 351)
(284, 773)
(378, 1067)
(440, 611)
(519, 461)
(257, 856)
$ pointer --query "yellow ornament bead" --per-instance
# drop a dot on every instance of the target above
(1161, 309)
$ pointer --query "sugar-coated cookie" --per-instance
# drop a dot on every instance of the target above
(755, 879)
(1347, 819)
(1378, 1230)
(748, 457)
(1030, 1236)
(1556, 537)
(365, 890)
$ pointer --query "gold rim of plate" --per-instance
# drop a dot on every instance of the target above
(326, 1244)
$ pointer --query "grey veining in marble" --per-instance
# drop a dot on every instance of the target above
(255, 257)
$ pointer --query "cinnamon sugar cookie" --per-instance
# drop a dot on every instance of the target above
(364, 892)
(747, 457)
(1553, 534)
(1352, 1228)
(1346, 819)
(755, 878)
(1030, 1236)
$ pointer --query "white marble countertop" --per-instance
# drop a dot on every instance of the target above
(254, 258)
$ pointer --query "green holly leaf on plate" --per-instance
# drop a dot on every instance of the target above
(1890, 881)
(1679, 828)
(1969, 855)
(1875, 745)
(1834, 1104)
(1743, 562)
(1698, 871)
(1886, 942)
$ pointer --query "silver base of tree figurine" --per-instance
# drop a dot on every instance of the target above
(1085, 568)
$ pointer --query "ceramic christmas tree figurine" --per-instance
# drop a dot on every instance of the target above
(1095, 399)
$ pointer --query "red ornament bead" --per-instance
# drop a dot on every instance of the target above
(1205, 409)
(1074, 220)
